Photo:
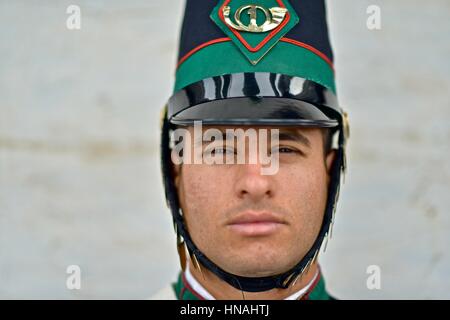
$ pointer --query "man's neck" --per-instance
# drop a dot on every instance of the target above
(221, 290)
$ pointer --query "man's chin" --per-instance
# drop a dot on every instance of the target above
(258, 271)
(256, 266)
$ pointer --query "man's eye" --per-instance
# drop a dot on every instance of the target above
(284, 150)
(222, 151)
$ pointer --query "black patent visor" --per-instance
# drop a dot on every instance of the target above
(255, 99)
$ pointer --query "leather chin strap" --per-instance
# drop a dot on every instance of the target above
(250, 284)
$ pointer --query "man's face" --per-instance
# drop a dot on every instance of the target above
(252, 224)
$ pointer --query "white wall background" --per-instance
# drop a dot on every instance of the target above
(79, 163)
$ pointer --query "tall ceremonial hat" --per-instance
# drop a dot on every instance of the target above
(254, 62)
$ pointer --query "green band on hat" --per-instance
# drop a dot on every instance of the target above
(224, 58)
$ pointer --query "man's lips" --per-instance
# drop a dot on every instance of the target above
(252, 223)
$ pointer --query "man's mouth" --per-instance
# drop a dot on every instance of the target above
(253, 223)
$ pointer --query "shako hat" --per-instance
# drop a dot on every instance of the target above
(254, 62)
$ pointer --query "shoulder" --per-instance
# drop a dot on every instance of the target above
(166, 293)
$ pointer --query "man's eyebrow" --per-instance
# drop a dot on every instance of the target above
(294, 136)
(283, 135)
(226, 136)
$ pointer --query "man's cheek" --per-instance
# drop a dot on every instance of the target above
(193, 184)
(200, 204)
(197, 199)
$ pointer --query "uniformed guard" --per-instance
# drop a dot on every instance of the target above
(240, 234)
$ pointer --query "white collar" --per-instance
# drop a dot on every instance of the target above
(207, 296)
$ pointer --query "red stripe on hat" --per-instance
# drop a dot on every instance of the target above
(284, 39)
(310, 48)
(190, 53)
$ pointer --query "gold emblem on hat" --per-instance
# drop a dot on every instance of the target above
(274, 16)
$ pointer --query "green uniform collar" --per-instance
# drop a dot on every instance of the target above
(183, 290)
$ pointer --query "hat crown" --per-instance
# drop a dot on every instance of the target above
(235, 36)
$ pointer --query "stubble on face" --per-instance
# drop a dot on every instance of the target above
(213, 196)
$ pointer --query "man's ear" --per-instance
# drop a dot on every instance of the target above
(329, 160)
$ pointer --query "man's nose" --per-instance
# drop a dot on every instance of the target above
(253, 185)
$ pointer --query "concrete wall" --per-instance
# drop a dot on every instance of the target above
(79, 171)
